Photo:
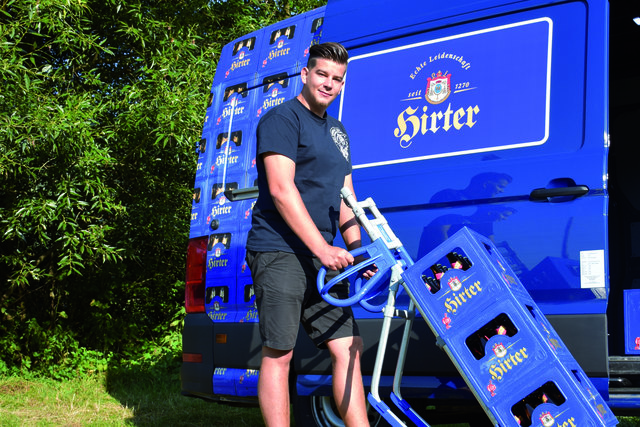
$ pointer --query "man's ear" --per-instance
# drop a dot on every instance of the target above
(303, 74)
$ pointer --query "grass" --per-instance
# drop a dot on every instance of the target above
(122, 397)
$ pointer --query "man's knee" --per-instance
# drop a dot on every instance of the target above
(275, 356)
(358, 342)
(349, 347)
(357, 345)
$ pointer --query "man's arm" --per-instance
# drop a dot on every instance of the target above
(350, 229)
(349, 226)
(280, 171)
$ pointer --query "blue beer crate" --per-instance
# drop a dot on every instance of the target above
(240, 58)
(496, 335)
(229, 148)
(243, 268)
(632, 321)
(222, 251)
(505, 347)
(311, 32)
(224, 381)
(286, 44)
(275, 88)
(500, 347)
(208, 121)
(247, 382)
(247, 310)
(451, 295)
(220, 298)
(220, 213)
(559, 396)
(246, 213)
(236, 105)
(235, 382)
(203, 157)
(282, 44)
(198, 203)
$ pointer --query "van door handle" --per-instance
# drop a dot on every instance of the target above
(542, 194)
(241, 194)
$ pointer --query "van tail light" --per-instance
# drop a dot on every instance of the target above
(192, 357)
(196, 271)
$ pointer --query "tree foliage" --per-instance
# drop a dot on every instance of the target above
(101, 106)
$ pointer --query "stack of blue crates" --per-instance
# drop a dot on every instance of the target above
(502, 344)
(632, 321)
(254, 73)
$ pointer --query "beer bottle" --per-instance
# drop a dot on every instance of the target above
(458, 261)
(455, 260)
(432, 284)
(438, 270)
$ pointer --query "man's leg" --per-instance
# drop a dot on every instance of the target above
(273, 386)
(348, 390)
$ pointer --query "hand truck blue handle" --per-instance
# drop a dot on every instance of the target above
(378, 255)
(364, 302)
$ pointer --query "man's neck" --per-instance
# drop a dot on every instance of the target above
(304, 102)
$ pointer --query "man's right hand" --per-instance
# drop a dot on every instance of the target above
(334, 257)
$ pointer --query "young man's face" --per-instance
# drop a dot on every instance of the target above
(322, 84)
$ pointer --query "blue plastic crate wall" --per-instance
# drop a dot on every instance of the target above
(501, 342)
(255, 73)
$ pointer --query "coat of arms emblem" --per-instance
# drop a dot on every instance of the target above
(438, 87)
(454, 283)
(546, 419)
(499, 349)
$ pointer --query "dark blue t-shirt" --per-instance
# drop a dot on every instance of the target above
(320, 149)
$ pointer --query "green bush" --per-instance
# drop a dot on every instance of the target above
(101, 107)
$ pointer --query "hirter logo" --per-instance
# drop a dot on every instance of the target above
(454, 283)
(438, 88)
(546, 419)
(499, 349)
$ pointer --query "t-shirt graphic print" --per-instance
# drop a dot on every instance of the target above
(341, 140)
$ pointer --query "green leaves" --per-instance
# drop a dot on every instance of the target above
(101, 105)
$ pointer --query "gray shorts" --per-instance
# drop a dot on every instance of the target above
(287, 295)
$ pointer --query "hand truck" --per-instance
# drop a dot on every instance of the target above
(388, 255)
(502, 345)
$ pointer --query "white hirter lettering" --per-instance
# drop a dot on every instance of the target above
(279, 52)
(220, 210)
(410, 123)
(268, 103)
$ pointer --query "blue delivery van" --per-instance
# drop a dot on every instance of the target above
(514, 119)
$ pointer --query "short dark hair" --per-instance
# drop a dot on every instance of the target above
(332, 51)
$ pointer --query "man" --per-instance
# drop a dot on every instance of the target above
(303, 161)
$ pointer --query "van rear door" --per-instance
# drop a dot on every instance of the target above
(492, 117)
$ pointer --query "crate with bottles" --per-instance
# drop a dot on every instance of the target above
(461, 278)
(559, 396)
(501, 342)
